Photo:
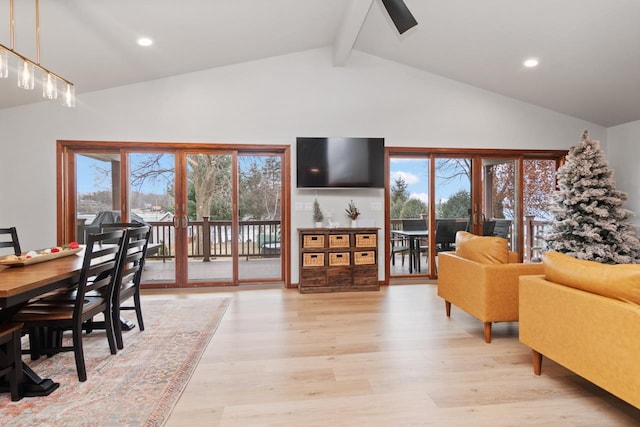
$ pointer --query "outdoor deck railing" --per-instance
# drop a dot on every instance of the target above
(212, 239)
(534, 231)
(534, 242)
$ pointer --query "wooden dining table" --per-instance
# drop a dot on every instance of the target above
(18, 285)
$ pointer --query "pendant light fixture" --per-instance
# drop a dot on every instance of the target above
(27, 68)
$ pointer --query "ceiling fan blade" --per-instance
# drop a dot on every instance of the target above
(400, 14)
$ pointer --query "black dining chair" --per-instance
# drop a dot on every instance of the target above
(446, 234)
(488, 227)
(9, 239)
(414, 224)
(399, 245)
(502, 228)
(91, 296)
(129, 276)
(11, 362)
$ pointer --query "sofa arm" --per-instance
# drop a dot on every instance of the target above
(486, 291)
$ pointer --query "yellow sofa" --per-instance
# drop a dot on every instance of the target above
(585, 316)
(481, 278)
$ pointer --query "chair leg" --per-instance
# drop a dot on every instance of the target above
(108, 326)
(53, 341)
(116, 325)
(447, 308)
(79, 353)
(136, 300)
(34, 343)
(487, 332)
(11, 359)
(16, 376)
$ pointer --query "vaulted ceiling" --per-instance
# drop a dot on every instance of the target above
(588, 49)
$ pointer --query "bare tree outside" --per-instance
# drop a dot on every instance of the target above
(260, 186)
(210, 176)
(538, 177)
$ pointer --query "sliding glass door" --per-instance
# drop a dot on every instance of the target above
(206, 220)
(260, 216)
(500, 193)
(452, 199)
(409, 201)
(500, 207)
(215, 212)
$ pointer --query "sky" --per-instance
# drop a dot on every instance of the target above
(86, 175)
(415, 173)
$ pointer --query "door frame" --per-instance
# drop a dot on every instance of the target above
(66, 186)
(476, 155)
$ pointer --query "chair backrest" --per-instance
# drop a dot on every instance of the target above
(488, 227)
(414, 224)
(502, 228)
(445, 233)
(9, 239)
(133, 257)
(100, 266)
(460, 226)
(118, 225)
(108, 226)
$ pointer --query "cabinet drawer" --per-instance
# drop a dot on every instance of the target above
(365, 275)
(313, 277)
(364, 258)
(313, 241)
(339, 241)
(313, 259)
(339, 258)
(366, 241)
(339, 277)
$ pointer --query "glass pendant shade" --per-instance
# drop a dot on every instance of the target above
(49, 86)
(4, 64)
(69, 99)
(26, 79)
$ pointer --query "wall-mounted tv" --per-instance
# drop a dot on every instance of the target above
(334, 162)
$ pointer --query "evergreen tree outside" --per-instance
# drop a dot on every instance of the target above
(589, 221)
(457, 206)
(413, 208)
(399, 196)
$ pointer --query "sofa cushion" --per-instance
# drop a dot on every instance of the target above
(619, 281)
(482, 249)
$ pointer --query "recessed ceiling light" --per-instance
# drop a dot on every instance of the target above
(531, 62)
(145, 41)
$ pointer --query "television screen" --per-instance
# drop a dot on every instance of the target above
(340, 162)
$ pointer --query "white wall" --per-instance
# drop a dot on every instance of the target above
(623, 156)
(271, 101)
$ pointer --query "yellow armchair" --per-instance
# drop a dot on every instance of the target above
(481, 278)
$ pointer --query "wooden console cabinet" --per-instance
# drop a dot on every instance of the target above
(338, 259)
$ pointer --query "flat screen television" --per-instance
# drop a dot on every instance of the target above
(334, 162)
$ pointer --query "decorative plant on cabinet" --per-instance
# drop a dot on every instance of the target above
(318, 217)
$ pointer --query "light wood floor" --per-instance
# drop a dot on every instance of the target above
(388, 358)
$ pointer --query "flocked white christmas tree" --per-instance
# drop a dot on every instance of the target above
(589, 221)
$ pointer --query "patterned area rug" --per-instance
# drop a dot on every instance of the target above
(136, 387)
